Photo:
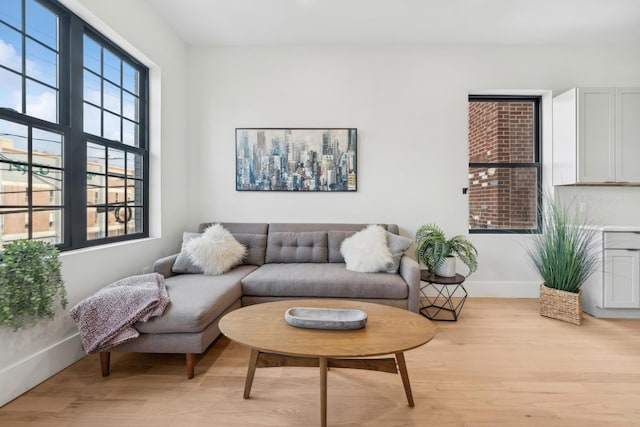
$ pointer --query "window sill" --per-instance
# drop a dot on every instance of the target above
(124, 243)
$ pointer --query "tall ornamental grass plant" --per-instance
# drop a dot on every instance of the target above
(565, 253)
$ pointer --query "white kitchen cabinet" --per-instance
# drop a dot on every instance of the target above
(627, 134)
(613, 290)
(596, 136)
(621, 278)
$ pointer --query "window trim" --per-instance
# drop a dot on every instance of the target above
(537, 156)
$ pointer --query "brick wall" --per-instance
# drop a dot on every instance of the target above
(501, 198)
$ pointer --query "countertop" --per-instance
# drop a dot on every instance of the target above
(620, 228)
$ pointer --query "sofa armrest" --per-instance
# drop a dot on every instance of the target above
(163, 265)
(410, 272)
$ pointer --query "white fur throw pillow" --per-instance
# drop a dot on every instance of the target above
(367, 251)
(216, 251)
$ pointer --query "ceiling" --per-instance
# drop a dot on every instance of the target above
(268, 22)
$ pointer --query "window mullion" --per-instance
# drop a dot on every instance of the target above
(30, 182)
(143, 136)
(23, 38)
(75, 149)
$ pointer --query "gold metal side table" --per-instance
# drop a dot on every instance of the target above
(450, 295)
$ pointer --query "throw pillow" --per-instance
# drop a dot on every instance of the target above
(397, 246)
(216, 251)
(183, 263)
(367, 251)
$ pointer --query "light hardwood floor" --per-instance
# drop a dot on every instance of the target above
(501, 364)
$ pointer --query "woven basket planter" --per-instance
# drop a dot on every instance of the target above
(561, 305)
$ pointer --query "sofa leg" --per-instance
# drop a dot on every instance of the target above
(105, 359)
(191, 363)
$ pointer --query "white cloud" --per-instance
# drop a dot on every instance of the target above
(9, 56)
(43, 106)
(10, 99)
(10, 88)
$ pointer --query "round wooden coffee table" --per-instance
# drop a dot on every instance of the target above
(274, 342)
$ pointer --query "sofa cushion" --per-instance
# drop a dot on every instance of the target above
(183, 263)
(256, 245)
(335, 238)
(334, 251)
(196, 301)
(306, 246)
(322, 226)
(367, 251)
(253, 235)
(329, 280)
(238, 227)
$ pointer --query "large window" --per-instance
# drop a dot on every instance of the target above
(73, 130)
(504, 164)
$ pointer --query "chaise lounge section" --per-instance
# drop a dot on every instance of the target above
(283, 261)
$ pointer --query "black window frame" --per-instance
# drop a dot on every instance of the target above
(537, 155)
(71, 30)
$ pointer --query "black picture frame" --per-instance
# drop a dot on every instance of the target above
(297, 159)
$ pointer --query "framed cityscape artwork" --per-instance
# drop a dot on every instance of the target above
(283, 159)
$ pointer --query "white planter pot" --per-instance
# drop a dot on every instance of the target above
(447, 268)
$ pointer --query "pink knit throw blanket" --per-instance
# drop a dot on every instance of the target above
(106, 318)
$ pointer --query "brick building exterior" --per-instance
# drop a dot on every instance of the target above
(500, 197)
(47, 223)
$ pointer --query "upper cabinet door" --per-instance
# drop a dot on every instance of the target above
(627, 134)
(564, 147)
(596, 135)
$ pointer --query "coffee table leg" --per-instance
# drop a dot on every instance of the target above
(323, 391)
(402, 366)
(253, 361)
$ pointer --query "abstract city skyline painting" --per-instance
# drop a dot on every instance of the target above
(295, 159)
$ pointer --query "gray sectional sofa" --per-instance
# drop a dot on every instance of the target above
(283, 261)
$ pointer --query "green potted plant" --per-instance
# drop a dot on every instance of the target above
(565, 255)
(30, 282)
(438, 253)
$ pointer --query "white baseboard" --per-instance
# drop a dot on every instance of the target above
(31, 371)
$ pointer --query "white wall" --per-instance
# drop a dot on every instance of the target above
(605, 205)
(29, 356)
(409, 104)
